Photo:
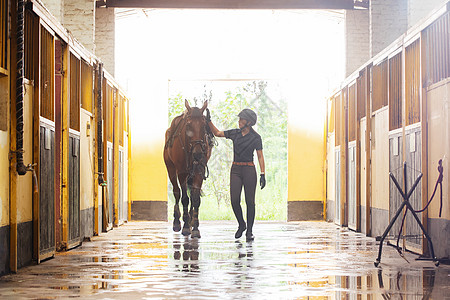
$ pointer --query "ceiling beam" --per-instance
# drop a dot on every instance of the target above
(235, 4)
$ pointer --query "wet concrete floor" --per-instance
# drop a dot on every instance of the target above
(302, 260)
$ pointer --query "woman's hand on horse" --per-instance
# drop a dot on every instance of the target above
(208, 115)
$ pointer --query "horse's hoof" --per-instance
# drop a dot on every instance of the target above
(176, 226)
(196, 233)
(186, 231)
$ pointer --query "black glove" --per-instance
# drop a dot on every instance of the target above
(208, 115)
(262, 181)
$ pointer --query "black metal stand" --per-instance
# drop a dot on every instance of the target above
(408, 206)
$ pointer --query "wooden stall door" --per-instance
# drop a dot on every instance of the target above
(122, 211)
(46, 113)
(352, 186)
(396, 168)
(413, 159)
(74, 191)
(47, 243)
(337, 211)
(110, 183)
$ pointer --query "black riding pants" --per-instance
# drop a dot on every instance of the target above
(243, 176)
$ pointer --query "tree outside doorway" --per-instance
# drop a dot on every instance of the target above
(225, 101)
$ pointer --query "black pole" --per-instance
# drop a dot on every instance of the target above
(20, 167)
(99, 95)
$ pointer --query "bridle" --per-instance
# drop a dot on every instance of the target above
(194, 165)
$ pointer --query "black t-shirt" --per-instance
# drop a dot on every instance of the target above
(244, 146)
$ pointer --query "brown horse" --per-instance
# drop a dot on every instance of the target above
(186, 153)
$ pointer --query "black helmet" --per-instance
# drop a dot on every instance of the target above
(249, 115)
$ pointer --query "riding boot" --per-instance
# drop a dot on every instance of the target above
(240, 230)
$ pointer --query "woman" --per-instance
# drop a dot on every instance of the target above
(243, 172)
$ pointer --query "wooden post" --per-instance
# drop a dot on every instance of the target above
(344, 155)
(129, 160)
(94, 133)
(116, 159)
(358, 160)
(12, 158)
(65, 148)
(368, 150)
(424, 135)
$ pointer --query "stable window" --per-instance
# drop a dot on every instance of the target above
(87, 73)
(109, 101)
(331, 117)
(352, 112)
(31, 43)
(361, 83)
(338, 115)
(412, 83)
(74, 92)
(121, 119)
(47, 75)
(379, 86)
(395, 92)
(125, 114)
(3, 36)
(437, 49)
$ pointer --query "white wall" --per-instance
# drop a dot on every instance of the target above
(388, 20)
(104, 39)
(357, 47)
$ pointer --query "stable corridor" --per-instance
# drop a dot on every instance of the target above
(286, 260)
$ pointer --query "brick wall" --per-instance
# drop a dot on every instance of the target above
(105, 37)
(418, 9)
(79, 19)
(55, 7)
(357, 49)
(388, 20)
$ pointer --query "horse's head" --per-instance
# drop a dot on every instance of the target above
(196, 131)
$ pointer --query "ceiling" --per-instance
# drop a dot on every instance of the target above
(237, 4)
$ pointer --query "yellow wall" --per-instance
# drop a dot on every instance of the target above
(4, 151)
(380, 159)
(148, 122)
(25, 183)
(148, 173)
(331, 167)
(305, 164)
(438, 98)
(86, 161)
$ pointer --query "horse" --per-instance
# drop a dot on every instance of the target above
(186, 153)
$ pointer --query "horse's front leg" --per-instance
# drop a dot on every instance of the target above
(186, 218)
(176, 194)
(195, 199)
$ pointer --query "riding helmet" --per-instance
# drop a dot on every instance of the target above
(249, 115)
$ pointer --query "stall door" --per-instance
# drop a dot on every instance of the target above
(110, 183)
(396, 168)
(121, 198)
(74, 191)
(413, 157)
(46, 114)
(47, 242)
(351, 181)
(337, 211)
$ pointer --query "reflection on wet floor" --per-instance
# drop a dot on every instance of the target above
(305, 260)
